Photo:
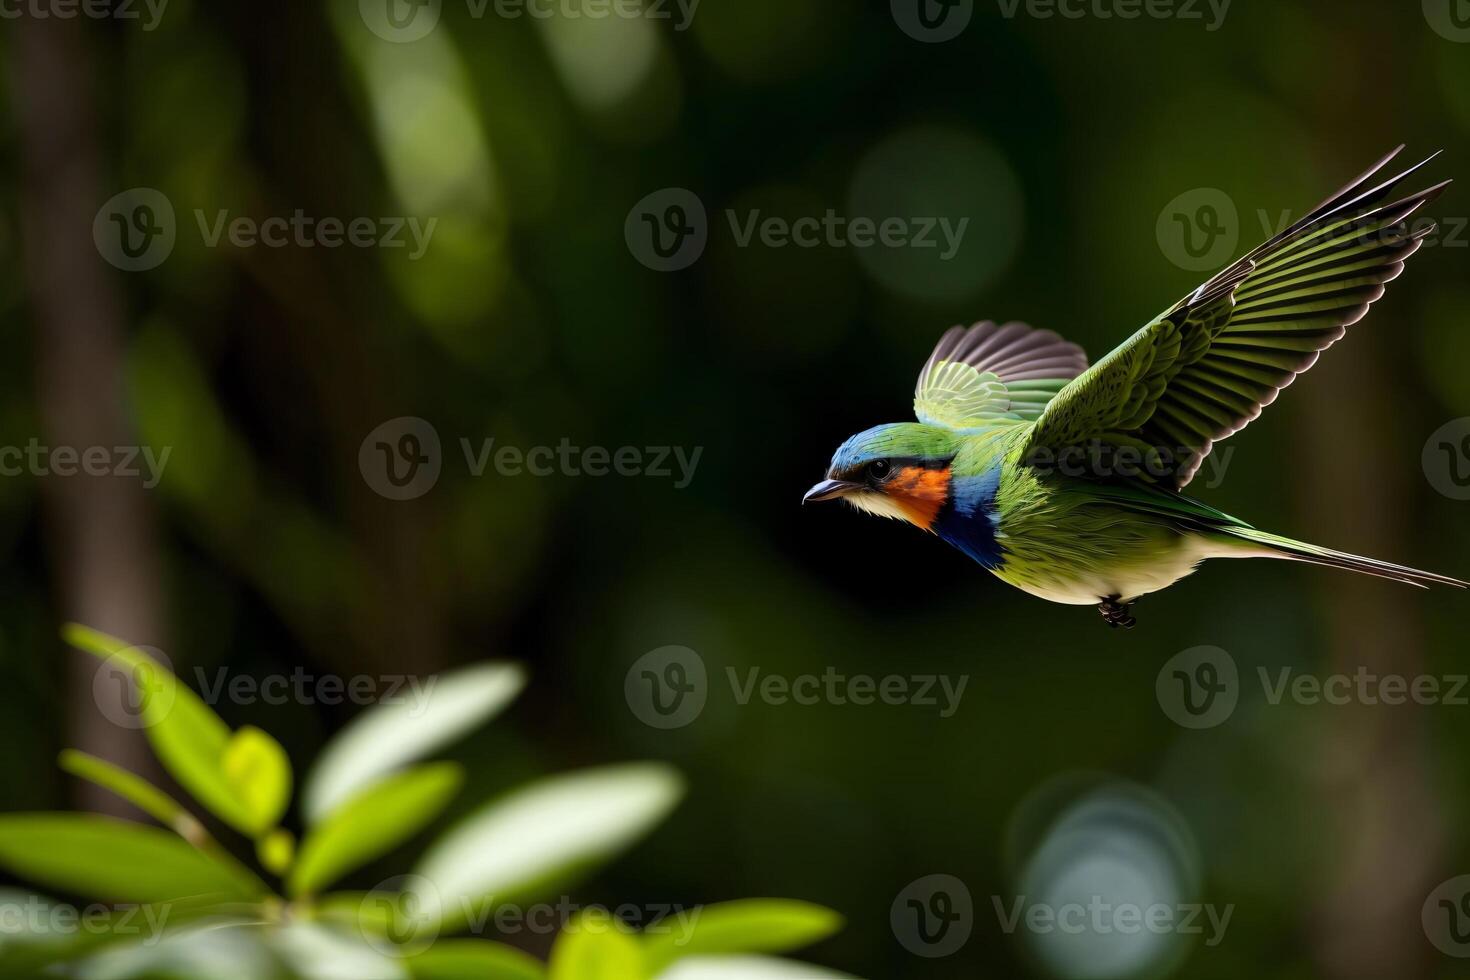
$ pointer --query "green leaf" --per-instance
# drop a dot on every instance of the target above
(372, 823)
(136, 790)
(313, 951)
(747, 968)
(276, 850)
(591, 949)
(186, 735)
(164, 939)
(751, 926)
(474, 959)
(259, 774)
(364, 912)
(387, 737)
(150, 800)
(539, 833)
(114, 860)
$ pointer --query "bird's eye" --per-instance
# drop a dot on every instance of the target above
(879, 469)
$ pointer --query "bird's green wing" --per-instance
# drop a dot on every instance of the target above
(1207, 366)
(987, 375)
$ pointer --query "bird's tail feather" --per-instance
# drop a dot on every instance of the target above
(1282, 547)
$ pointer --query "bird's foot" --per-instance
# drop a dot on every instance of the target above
(1115, 613)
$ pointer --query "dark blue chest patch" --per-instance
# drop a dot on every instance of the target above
(968, 519)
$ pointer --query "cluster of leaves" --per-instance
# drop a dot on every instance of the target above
(368, 793)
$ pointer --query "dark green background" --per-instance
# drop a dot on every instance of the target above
(530, 321)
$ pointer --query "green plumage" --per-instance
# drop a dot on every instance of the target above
(1064, 479)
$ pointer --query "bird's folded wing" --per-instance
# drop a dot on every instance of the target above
(1208, 365)
(987, 375)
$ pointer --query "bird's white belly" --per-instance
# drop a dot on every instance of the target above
(1087, 584)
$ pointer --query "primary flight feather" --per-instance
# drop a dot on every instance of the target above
(1064, 479)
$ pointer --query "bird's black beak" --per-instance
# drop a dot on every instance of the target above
(828, 489)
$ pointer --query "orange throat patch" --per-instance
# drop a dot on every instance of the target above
(919, 492)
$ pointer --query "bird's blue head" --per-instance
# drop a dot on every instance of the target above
(900, 470)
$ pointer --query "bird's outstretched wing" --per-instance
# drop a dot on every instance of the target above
(1208, 365)
(987, 375)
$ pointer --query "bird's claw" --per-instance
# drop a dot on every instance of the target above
(1116, 613)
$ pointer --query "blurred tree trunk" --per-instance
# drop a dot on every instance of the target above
(1385, 835)
(99, 531)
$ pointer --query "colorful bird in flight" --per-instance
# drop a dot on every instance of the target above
(1064, 479)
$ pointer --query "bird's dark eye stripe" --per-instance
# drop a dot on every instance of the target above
(864, 470)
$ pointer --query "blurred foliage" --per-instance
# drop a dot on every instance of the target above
(529, 321)
(367, 793)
